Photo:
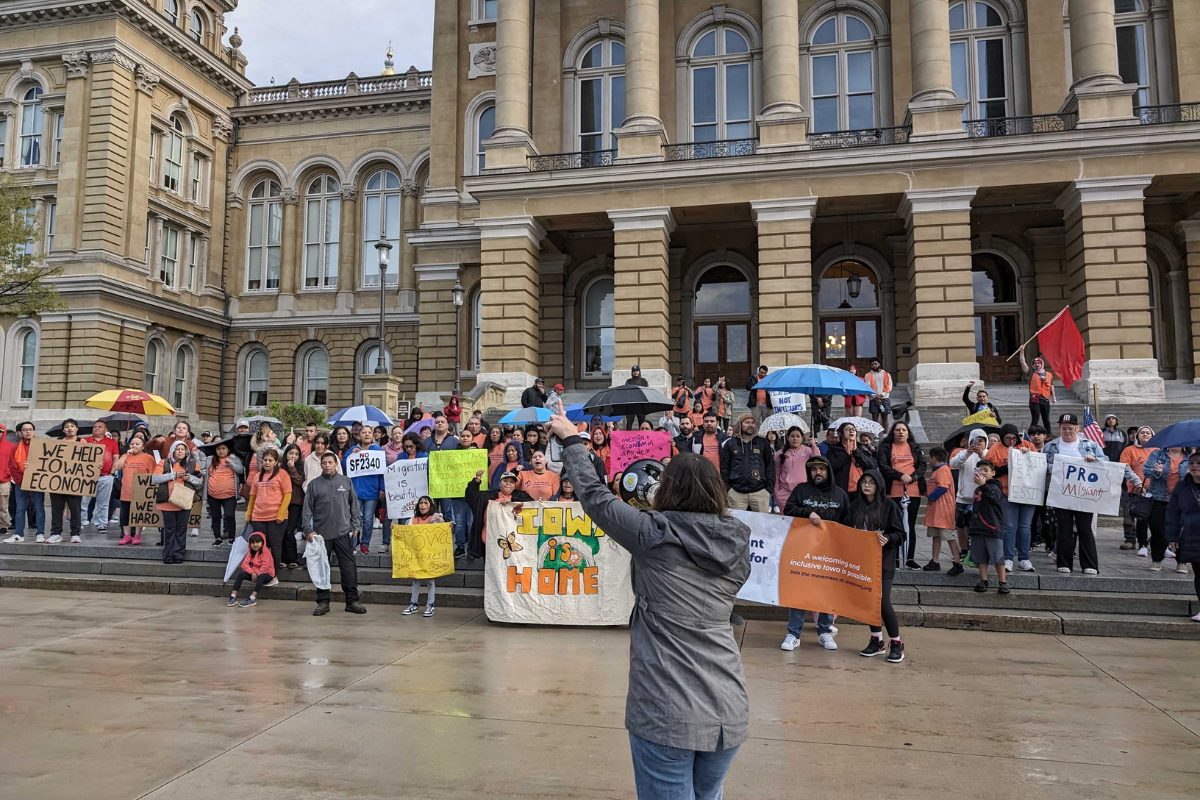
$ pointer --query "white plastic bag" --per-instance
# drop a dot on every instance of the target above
(317, 561)
(237, 552)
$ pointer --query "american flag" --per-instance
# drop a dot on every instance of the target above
(1090, 429)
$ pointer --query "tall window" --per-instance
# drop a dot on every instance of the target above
(168, 260)
(842, 70)
(599, 331)
(173, 156)
(262, 248)
(56, 144)
(28, 351)
(171, 11)
(1133, 59)
(381, 214)
(154, 362)
(601, 95)
(32, 125)
(979, 59)
(183, 371)
(322, 221)
(370, 360)
(314, 376)
(720, 83)
(257, 378)
(197, 177)
(51, 223)
(485, 9)
(194, 251)
(196, 26)
(485, 126)
(3, 139)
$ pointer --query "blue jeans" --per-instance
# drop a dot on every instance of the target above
(669, 773)
(367, 507)
(24, 501)
(796, 619)
(1017, 530)
(457, 512)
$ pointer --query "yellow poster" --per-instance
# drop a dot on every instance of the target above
(451, 470)
(422, 552)
(984, 417)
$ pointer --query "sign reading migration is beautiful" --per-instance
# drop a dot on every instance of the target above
(826, 567)
(550, 565)
(627, 447)
(1080, 485)
(61, 467)
(404, 483)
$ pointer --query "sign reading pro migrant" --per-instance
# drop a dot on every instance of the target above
(61, 467)
(1091, 486)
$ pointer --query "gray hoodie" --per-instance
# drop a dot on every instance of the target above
(330, 507)
(686, 687)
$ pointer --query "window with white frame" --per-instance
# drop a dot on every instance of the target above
(599, 327)
(28, 352)
(477, 330)
(172, 177)
(192, 266)
(720, 78)
(381, 216)
(481, 131)
(32, 127)
(168, 257)
(51, 223)
(30, 221)
(154, 363)
(3, 139)
(1133, 51)
(979, 61)
(265, 210)
(314, 376)
(196, 26)
(485, 9)
(153, 154)
(171, 11)
(322, 222)
(182, 377)
(842, 71)
(601, 101)
(257, 377)
(199, 168)
(56, 144)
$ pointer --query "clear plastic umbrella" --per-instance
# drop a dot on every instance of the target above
(782, 422)
(862, 424)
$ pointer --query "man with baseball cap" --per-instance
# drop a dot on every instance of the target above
(534, 396)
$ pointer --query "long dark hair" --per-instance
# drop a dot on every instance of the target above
(868, 515)
(335, 445)
(691, 483)
(787, 439)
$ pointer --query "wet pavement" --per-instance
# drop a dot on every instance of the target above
(133, 696)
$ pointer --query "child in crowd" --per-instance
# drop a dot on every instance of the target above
(939, 515)
(964, 461)
(424, 515)
(257, 566)
(987, 526)
(136, 461)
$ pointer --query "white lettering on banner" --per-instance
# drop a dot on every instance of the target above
(792, 402)
(1026, 477)
(365, 463)
(766, 548)
(404, 483)
(1078, 485)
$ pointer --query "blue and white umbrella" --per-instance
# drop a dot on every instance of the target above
(526, 416)
(575, 413)
(367, 415)
(814, 379)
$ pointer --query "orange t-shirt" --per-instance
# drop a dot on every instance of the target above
(712, 450)
(940, 513)
(179, 473)
(1136, 457)
(998, 455)
(268, 494)
(905, 463)
(138, 464)
(222, 482)
(539, 487)
(856, 472)
(705, 396)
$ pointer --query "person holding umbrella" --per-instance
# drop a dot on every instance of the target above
(1183, 522)
(635, 379)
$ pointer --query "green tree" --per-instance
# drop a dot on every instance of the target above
(24, 281)
(294, 415)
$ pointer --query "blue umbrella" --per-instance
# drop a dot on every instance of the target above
(575, 413)
(814, 379)
(526, 416)
(1181, 434)
(367, 415)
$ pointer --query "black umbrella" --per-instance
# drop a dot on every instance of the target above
(952, 440)
(118, 423)
(85, 429)
(238, 444)
(627, 400)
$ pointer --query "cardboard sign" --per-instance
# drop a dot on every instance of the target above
(143, 509)
(626, 447)
(451, 470)
(1078, 485)
(365, 463)
(788, 401)
(423, 552)
(826, 567)
(1026, 477)
(404, 483)
(59, 467)
(550, 565)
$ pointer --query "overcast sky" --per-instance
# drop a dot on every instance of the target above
(317, 40)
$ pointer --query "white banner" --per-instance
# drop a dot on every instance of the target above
(550, 565)
(1078, 485)
(365, 463)
(1026, 477)
(404, 483)
(788, 401)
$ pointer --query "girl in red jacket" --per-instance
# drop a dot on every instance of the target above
(257, 566)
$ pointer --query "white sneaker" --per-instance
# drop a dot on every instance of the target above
(193, 532)
(1156, 566)
(833, 630)
(40, 538)
(826, 640)
(789, 643)
(14, 539)
(1090, 571)
(1025, 565)
(1143, 552)
(1196, 618)
(1182, 569)
(84, 522)
(1008, 564)
(55, 539)
(76, 540)
(273, 582)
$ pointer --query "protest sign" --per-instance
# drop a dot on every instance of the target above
(1026, 477)
(550, 565)
(404, 483)
(143, 509)
(826, 567)
(1078, 485)
(63, 467)
(451, 470)
(627, 447)
(985, 417)
(792, 402)
(422, 552)
(364, 463)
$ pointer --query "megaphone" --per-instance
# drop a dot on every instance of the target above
(640, 481)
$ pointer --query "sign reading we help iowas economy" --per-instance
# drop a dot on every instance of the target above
(59, 467)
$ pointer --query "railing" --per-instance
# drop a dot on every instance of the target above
(866, 137)
(295, 91)
(726, 148)
(582, 160)
(1018, 126)
(1164, 115)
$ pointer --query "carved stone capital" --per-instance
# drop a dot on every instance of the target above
(289, 196)
(222, 128)
(349, 191)
(410, 190)
(76, 62)
(113, 57)
(146, 80)
(235, 200)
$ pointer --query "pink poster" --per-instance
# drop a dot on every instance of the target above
(627, 447)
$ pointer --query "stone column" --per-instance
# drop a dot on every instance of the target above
(349, 247)
(642, 135)
(289, 264)
(70, 166)
(934, 111)
(641, 273)
(1108, 287)
(111, 131)
(1098, 95)
(1189, 230)
(783, 123)
(1049, 255)
(510, 147)
(408, 253)
(941, 309)
(1177, 283)
(1186, 25)
(552, 316)
(437, 333)
(785, 284)
(509, 248)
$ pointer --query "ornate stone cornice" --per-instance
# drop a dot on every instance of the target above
(345, 107)
(146, 79)
(222, 128)
(114, 57)
(76, 62)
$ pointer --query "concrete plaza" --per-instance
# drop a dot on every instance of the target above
(133, 696)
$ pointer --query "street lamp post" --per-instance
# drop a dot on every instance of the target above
(456, 294)
(384, 247)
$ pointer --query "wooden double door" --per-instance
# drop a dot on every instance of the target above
(722, 347)
(851, 340)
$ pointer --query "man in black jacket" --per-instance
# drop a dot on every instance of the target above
(534, 396)
(635, 379)
(981, 402)
(748, 468)
(758, 400)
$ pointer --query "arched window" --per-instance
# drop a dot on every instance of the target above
(264, 236)
(369, 360)
(183, 377)
(992, 280)
(979, 59)
(314, 376)
(172, 178)
(599, 331)
(256, 378)
(28, 351)
(721, 85)
(32, 127)
(171, 11)
(851, 317)
(1133, 50)
(381, 215)
(842, 70)
(722, 291)
(601, 79)
(482, 129)
(154, 364)
(721, 320)
(997, 316)
(322, 221)
(196, 26)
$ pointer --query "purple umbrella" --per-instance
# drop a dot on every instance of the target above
(417, 427)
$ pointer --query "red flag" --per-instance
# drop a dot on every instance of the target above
(1062, 347)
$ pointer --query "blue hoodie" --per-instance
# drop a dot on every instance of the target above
(369, 486)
